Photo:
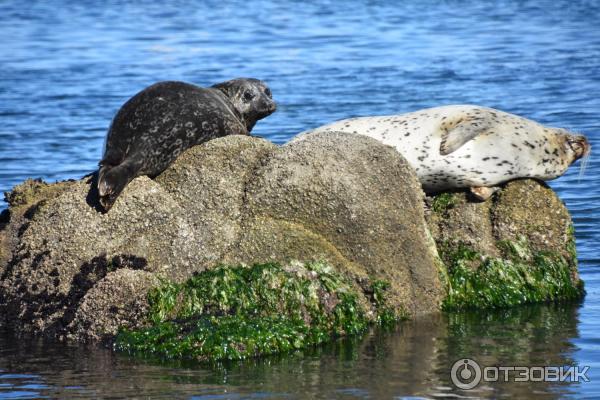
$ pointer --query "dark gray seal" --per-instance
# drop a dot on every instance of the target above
(156, 125)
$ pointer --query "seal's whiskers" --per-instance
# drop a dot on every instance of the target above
(584, 163)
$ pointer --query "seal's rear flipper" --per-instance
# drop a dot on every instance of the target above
(112, 179)
(483, 193)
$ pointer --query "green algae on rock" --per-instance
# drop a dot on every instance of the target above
(479, 281)
(443, 202)
(233, 313)
(518, 247)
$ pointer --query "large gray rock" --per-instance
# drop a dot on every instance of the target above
(361, 203)
(68, 269)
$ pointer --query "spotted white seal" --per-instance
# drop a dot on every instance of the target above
(156, 125)
(466, 146)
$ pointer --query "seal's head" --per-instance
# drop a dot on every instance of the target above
(563, 149)
(251, 97)
(576, 146)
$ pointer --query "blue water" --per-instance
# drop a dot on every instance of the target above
(66, 68)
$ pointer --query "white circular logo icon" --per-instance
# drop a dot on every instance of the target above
(465, 374)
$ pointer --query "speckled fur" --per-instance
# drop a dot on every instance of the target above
(156, 125)
(462, 146)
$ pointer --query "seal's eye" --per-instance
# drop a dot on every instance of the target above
(268, 92)
(248, 96)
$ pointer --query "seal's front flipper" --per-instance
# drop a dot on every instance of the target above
(483, 193)
(458, 131)
(112, 179)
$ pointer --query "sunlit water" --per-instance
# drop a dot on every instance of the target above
(66, 67)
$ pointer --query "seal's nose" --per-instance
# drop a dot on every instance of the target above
(268, 105)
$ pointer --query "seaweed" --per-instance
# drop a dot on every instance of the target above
(522, 276)
(234, 313)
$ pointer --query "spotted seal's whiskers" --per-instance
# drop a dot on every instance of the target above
(584, 162)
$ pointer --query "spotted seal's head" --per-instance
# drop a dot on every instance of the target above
(562, 150)
(576, 146)
(251, 97)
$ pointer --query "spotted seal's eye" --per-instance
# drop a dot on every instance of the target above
(248, 96)
(268, 92)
